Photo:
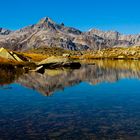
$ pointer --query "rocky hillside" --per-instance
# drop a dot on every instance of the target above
(50, 34)
(115, 39)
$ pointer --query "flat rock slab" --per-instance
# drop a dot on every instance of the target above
(53, 60)
(56, 62)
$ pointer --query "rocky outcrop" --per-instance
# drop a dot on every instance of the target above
(50, 34)
(9, 55)
(57, 62)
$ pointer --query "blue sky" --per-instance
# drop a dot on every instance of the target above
(121, 15)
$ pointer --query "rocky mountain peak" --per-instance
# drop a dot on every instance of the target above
(46, 20)
(46, 23)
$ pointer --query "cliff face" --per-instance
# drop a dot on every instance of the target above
(50, 34)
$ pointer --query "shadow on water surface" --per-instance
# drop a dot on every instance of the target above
(103, 112)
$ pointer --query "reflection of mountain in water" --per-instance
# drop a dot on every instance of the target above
(103, 71)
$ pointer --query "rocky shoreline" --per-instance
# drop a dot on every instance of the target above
(114, 53)
(73, 59)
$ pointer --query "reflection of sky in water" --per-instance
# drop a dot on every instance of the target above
(107, 110)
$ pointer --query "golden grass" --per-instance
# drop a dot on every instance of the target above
(56, 51)
(35, 57)
(39, 54)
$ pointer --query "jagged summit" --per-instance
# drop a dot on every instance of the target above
(46, 20)
(46, 23)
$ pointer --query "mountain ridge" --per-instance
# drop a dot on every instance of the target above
(48, 33)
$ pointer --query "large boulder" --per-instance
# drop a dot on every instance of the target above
(54, 59)
(55, 62)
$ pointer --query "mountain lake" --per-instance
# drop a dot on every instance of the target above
(95, 102)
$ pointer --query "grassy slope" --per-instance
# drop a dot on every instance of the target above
(36, 55)
(45, 52)
(110, 53)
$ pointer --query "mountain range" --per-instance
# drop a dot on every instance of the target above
(48, 33)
